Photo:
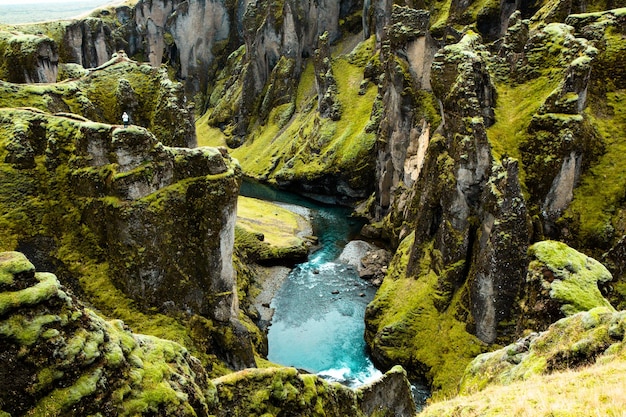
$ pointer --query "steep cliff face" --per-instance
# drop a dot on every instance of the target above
(408, 110)
(296, 147)
(277, 38)
(159, 219)
(28, 58)
(501, 156)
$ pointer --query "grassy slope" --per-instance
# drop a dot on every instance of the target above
(307, 146)
(593, 391)
(279, 226)
(514, 109)
(598, 198)
(409, 314)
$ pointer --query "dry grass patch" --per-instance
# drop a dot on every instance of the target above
(597, 390)
(280, 226)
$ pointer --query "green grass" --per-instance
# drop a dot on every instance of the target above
(308, 146)
(515, 107)
(575, 368)
(593, 391)
(602, 189)
(279, 226)
(207, 135)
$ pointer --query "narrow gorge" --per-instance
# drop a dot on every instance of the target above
(474, 149)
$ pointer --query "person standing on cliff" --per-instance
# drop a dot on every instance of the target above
(125, 119)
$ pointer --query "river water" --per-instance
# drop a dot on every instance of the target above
(318, 320)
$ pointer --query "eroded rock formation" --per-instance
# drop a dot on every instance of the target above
(161, 219)
(28, 58)
(102, 94)
(61, 358)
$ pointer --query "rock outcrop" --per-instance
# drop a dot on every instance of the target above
(480, 198)
(594, 336)
(28, 58)
(104, 93)
(259, 391)
(162, 219)
(61, 358)
(560, 282)
(408, 109)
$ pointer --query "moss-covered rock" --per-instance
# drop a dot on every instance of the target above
(159, 221)
(277, 391)
(146, 93)
(590, 337)
(560, 282)
(27, 58)
(327, 103)
(64, 359)
(404, 315)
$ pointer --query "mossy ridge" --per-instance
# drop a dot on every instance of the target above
(146, 93)
(273, 391)
(55, 338)
(403, 319)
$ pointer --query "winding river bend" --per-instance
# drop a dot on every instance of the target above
(318, 320)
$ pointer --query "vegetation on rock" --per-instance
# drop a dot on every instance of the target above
(468, 131)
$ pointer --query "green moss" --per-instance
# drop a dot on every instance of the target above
(515, 107)
(61, 399)
(570, 343)
(576, 276)
(412, 332)
(47, 286)
(596, 207)
(13, 263)
(363, 52)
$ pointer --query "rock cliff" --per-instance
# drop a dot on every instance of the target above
(104, 93)
(28, 58)
(500, 171)
(84, 195)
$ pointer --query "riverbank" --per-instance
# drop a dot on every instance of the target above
(281, 226)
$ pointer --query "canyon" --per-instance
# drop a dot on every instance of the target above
(480, 142)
